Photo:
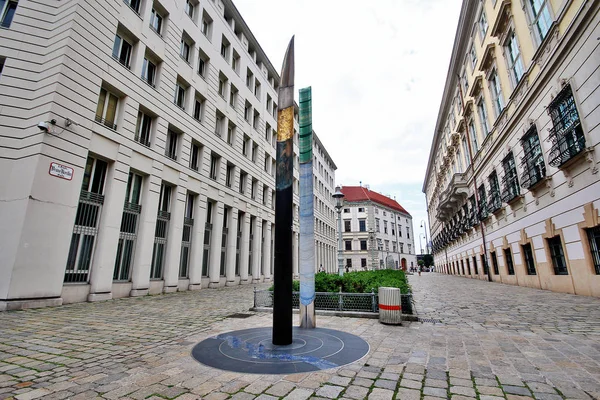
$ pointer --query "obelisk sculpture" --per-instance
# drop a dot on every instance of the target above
(282, 277)
(307, 214)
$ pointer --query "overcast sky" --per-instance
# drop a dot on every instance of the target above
(377, 70)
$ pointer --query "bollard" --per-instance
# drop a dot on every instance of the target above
(390, 309)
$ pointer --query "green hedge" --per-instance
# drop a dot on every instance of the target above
(359, 281)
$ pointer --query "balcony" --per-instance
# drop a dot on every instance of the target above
(453, 197)
(510, 188)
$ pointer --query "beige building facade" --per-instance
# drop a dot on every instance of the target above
(512, 183)
(138, 144)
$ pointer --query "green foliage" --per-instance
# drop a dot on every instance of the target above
(359, 281)
(428, 260)
(420, 263)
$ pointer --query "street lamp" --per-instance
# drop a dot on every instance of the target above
(424, 226)
(339, 202)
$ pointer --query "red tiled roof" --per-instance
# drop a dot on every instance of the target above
(359, 193)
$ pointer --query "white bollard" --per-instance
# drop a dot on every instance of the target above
(390, 307)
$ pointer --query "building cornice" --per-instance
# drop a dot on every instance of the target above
(463, 33)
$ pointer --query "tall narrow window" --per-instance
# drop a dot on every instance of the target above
(199, 108)
(122, 51)
(233, 93)
(510, 181)
(207, 238)
(134, 5)
(206, 25)
(558, 256)
(179, 96)
(509, 261)
(106, 110)
(214, 166)
(513, 56)
(186, 239)
(186, 48)
(149, 72)
(203, 63)
(195, 156)
(473, 55)
(496, 91)
(7, 12)
(495, 263)
(129, 226)
(541, 18)
(87, 219)
(171, 145)
(224, 233)
(483, 117)
(534, 168)
(231, 134)
(242, 183)
(160, 232)
(483, 25)
(189, 8)
(156, 21)
(143, 128)
(566, 134)
(529, 260)
(495, 201)
(475, 265)
(229, 175)
(473, 133)
(593, 235)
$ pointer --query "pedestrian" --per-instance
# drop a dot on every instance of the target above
(321, 269)
(420, 270)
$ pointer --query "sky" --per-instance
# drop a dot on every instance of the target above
(377, 71)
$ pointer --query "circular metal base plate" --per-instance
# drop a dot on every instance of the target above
(252, 351)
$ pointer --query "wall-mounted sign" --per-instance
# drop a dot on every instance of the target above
(61, 171)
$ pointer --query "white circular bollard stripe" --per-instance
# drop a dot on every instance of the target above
(390, 309)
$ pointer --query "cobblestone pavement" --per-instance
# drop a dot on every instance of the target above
(494, 342)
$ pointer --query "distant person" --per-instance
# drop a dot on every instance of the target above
(420, 270)
(321, 269)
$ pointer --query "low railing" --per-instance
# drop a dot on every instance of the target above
(332, 301)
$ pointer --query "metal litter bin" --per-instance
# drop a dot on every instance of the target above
(390, 308)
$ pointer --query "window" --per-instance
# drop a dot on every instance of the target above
(225, 48)
(509, 261)
(189, 8)
(529, 261)
(246, 145)
(1, 65)
(242, 183)
(540, 14)
(473, 134)
(222, 85)
(247, 111)
(593, 235)
(185, 50)
(483, 209)
(143, 128)
(346, 210)
(231, 134)
(363, 263)
(171, 145)
(566, 134)
(465, 81)
(347, 226)
(466, 152)
(348, 244)
(483, 25)
(513, 57)
(156, 21)
(179, 99)
(496, 91)
(408, 232)
(206, 25)
(348, 263)
(257, 89)
(7, 12)
(195, 156)
(122, 51)
(363, 245)
(362, 225)
(254, 188)
(214, 166)
(361, 209)
(134, 5)
(128, 231)
(203, 62)
(149, 72)
(495, 263)
(473, 55)
(510, 181)
(495, 201)
(233, 93)
(533, 159)
(235, 63)
(377, 225)
(106, 110)
(475, 266)
(483, 117)
(229, 175)
(254, 152)
(401, 247)
(558, 256)
(385, 227)
(409, 249)
(256, 121)
(199, 107)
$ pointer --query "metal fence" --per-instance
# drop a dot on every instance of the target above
(331, 301)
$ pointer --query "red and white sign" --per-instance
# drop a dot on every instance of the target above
(61, 171)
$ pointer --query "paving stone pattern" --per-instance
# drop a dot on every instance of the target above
(495, 342)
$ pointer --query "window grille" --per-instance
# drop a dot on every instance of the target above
(509, 261)
(206, 250)
(160, 244)
(495, 202)
(594, 238)
(534, 168)
(186, 247)
(127, 240)
(566, 134)
(558, 256)
(529, 261)
(510, 183)
(495, 263)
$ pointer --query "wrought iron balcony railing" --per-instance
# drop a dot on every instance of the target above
(494, 202)
(534, 170)
(566, 134)
(510, 188)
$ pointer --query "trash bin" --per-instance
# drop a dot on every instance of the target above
(390, 309)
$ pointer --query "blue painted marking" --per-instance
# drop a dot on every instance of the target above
(261, 353)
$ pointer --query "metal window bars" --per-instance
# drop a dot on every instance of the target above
(494, 202)
(186, 246)
(510, 186)
(160, 243)
(594, 239)
(84, 237)
(206, 249)
(566, 134)
(106, 122)
(223, 251)
(127, 239)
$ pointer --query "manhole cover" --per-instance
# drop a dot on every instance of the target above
(239, 315)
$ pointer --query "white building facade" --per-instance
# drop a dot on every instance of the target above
(377, 232)
(153, 169)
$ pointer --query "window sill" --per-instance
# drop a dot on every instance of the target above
(156, 32)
